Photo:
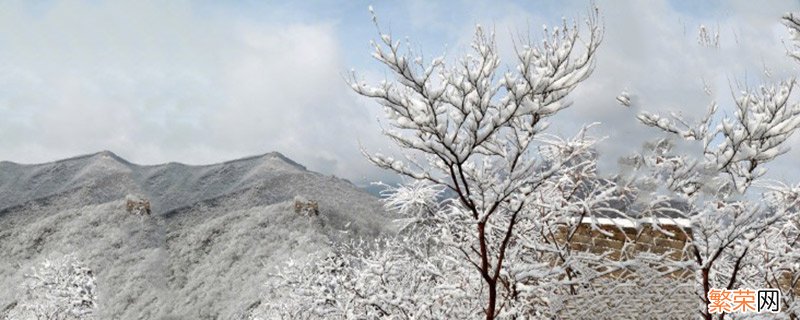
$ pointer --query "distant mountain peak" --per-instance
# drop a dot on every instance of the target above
(281, 157)
(87, 158)
(270, 158)
(105, 154)
(102, 163)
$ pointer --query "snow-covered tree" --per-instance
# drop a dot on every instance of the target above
(738, 238)
(60, 288)
(476, 132)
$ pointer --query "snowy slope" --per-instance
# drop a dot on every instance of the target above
(215, 234)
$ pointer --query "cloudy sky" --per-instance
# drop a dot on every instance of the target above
(205, 81)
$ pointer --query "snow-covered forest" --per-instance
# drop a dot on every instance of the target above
(500, 212)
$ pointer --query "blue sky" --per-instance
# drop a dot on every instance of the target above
(206, 81)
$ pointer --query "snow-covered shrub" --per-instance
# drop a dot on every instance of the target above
(408, 276)
(59, 288)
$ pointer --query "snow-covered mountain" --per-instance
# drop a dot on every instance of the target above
(215, 234)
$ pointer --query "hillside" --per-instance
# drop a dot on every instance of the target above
(215, 232)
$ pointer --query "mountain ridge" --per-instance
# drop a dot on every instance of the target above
(64, 172)
(110, 153)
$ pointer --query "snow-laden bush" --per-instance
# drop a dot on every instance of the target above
(59, 288)
(411, 275)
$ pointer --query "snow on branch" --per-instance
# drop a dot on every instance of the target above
(762, 120)
(792, 22)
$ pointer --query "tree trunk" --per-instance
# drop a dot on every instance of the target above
(492, 303)
(706, 287)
